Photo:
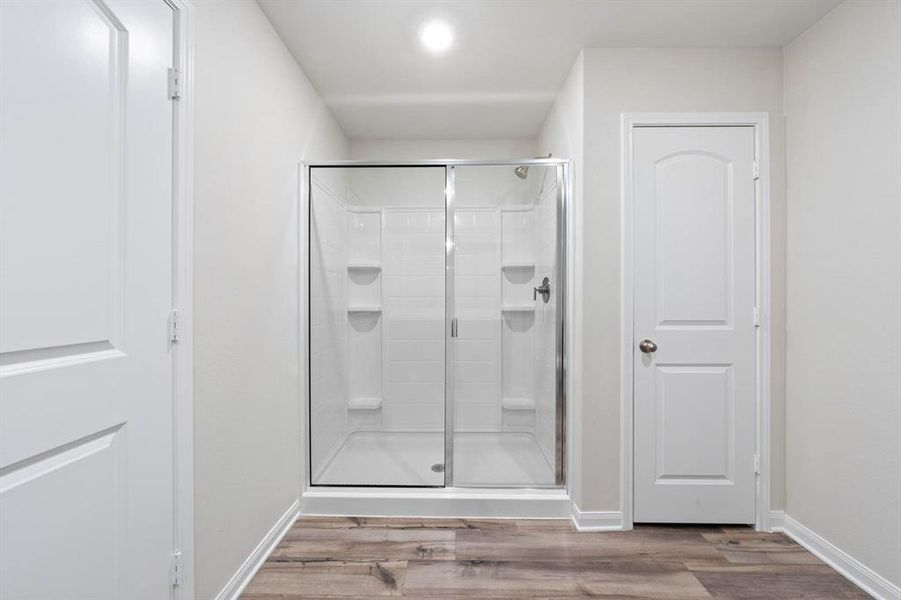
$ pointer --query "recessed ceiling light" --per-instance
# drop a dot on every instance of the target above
(436, 36)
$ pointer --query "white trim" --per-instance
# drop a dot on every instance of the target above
(777, 520)
(258, 556)
(597, 520)
(572, 337)
(183, 297)
(303, 307)
(479, 503)
(760, 123)
(858, 573)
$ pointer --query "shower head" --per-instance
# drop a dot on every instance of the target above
(522, 171)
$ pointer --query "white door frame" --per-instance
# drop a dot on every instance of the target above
(183, 296)
(760, 123)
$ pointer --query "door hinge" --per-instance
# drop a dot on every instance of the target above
(175, 570)
(173, 327)
(756, 464)
(756, 170)
(756, 317)
(174, 83)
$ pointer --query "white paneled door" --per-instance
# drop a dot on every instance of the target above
(86, 401)
(694, 324)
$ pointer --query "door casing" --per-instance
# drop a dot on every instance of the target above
(183, 295)
(760, 123)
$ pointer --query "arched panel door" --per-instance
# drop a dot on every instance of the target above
(694, 330)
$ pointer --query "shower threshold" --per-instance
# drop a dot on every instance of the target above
(496, 475)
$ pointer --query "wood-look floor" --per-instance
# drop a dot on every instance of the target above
(336, 557)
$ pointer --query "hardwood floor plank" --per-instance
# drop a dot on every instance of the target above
(667, 529)
(433, 559)
(403, 523)
(562, 546)
(329, 579)
(545, 525)
(765, 582)
(540, 579)
(755, 547)
(366, 544)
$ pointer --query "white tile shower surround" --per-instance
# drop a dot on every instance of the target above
(413, 245)
(406, 459)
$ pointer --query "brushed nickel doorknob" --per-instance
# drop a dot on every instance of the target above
(647, 346)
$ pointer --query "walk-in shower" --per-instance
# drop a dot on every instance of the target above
(435, 300)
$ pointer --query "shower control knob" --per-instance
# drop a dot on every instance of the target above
(544, 289)
(647, 346)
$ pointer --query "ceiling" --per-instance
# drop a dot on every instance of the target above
(509, 57)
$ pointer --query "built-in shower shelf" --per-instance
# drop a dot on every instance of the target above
(517, 404)
(517, 309)
(372, 403)
(364, 267)
(517, 265)
(375, 308)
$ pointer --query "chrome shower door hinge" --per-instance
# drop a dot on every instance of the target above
(175, 569)
(174, 83)
(173, 327)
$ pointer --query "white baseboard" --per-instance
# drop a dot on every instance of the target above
(597, 520)
(252, 564)
(858, 573)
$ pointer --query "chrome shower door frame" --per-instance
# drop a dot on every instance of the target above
(563, 174)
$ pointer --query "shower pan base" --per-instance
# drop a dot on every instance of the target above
(495, 459)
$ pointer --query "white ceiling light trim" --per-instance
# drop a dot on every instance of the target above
(437, 36)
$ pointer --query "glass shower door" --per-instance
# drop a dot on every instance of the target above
(505, 411)
(377, 325)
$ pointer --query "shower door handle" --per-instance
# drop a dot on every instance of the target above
(454, 327)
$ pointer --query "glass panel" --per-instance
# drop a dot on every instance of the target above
(377, 325)
(505, 245)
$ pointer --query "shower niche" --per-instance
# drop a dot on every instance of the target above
(433, 352)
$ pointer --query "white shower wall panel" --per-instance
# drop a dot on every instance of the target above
(413, 270)
(477, 296)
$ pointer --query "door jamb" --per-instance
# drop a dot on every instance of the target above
(760, 123)
(183, 297)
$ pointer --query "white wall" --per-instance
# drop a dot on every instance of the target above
(256, 115)
(476, 186)
(843, 398)
(618, 80)
(420, 149)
